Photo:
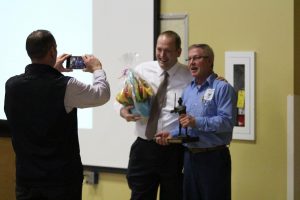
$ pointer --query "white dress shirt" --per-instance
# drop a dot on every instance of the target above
(81, 95)
(179, 78)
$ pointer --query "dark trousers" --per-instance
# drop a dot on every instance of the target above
(207, 175)
(66, 192)
(152, 165)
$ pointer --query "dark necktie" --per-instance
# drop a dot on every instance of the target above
(157, 104)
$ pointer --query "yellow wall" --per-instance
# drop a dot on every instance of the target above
(266, 27)
(110, 187)
(297, 47)
(7, 169)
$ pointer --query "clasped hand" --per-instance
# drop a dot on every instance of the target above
(185, 121)
(126, 114)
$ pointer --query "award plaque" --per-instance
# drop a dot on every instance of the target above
(181, 138)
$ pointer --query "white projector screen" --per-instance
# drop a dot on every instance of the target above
(106, 28)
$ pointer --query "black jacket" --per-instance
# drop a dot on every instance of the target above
(44, 136)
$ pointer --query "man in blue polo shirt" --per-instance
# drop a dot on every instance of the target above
(211, 110)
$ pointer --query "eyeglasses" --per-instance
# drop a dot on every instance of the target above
(195, 58)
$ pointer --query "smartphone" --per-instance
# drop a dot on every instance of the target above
(75, 62)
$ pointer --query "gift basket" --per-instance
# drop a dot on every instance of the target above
(135, 91)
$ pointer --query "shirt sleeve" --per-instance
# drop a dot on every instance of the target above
(81, 95)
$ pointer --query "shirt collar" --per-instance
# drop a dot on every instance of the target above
(209, 81)
(171, 71)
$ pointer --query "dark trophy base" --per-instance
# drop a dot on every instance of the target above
(182, 139)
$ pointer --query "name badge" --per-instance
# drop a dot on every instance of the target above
(208, 95)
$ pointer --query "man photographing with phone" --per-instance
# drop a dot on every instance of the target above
(41, 108)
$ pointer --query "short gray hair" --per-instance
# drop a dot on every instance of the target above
(207, 49)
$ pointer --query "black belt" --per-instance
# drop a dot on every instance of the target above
(200, 150)
(145, 140)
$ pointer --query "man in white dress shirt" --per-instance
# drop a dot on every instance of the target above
(152, 165)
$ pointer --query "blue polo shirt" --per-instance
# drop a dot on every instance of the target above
(213, 104)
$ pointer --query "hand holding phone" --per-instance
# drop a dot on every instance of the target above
(75, 62)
